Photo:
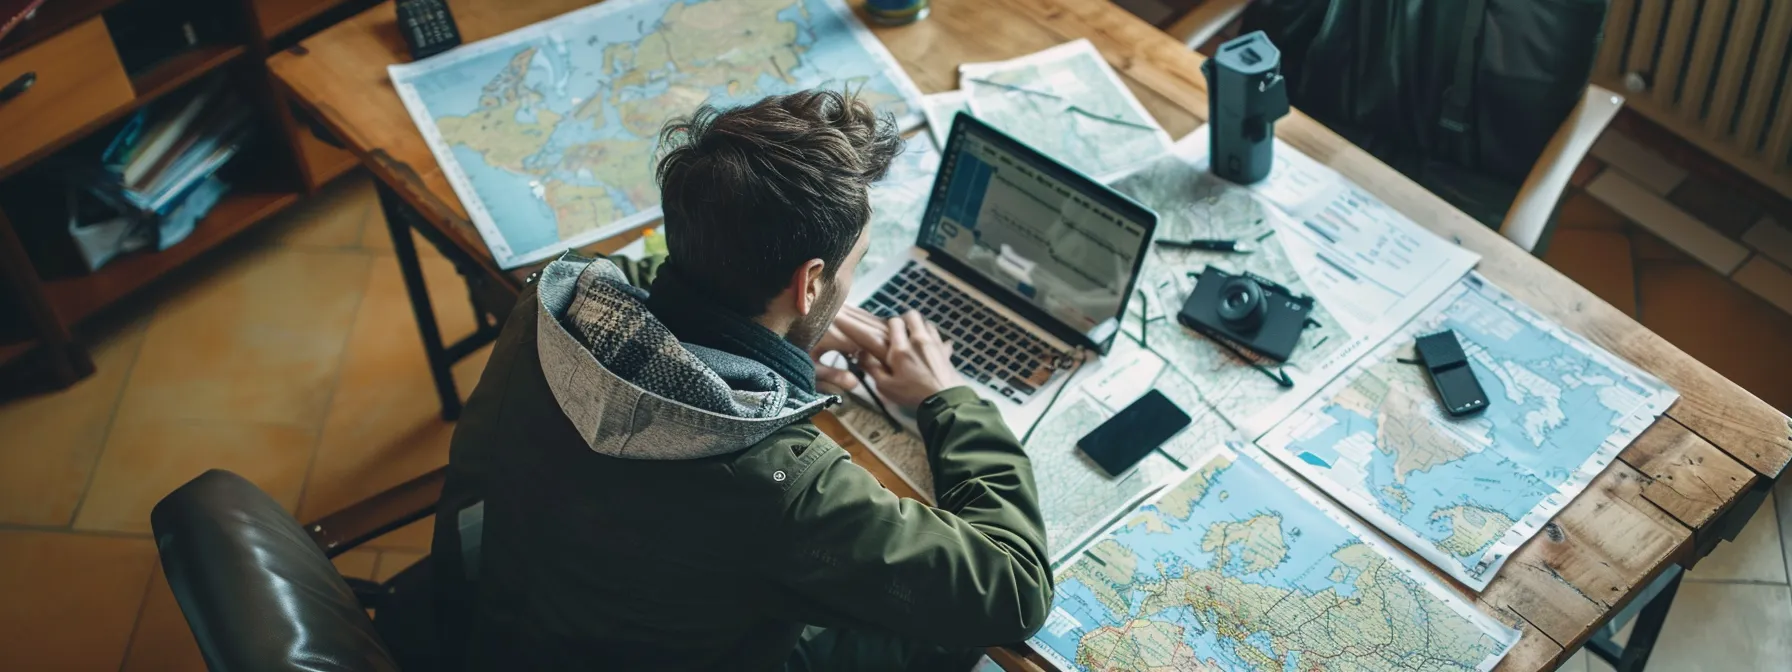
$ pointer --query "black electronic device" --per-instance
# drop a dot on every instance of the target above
(1127, 437)
(1247, 309)
(1451, 374)
(427, 26)
(1245, 97)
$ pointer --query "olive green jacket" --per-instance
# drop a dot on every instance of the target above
(628, 528)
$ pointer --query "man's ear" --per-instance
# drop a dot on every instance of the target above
(809, 279)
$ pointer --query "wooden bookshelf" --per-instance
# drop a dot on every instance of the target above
(158, 81)
(78, 298)
(282, 165)
(53, 17)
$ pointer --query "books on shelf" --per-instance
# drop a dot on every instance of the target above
(157, 177)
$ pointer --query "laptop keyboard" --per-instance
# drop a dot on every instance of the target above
(988, 348)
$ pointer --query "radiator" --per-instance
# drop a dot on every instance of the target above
(1716, 72)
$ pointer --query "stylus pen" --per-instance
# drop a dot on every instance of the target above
(1211, 245)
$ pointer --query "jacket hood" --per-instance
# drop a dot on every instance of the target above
(633, 390)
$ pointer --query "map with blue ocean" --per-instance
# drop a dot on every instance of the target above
(1466, 492)
(1242, 567)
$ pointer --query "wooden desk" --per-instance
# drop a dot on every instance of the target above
(1663, 502)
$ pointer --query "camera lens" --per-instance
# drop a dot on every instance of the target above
(1241, 304)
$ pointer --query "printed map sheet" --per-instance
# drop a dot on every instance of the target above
(1242, 567)
(939, 109)
(548, 133)
(1464, 493)
(1077, 498)
(1067, 103)
(1388, 256)
(898, 201)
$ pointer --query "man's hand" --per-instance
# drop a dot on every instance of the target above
(915, 364)
(853, 328)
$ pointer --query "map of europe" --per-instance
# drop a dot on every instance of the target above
(1240, 568)
(1465, 492)
(548, 134)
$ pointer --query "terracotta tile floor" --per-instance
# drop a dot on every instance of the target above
(291, 358)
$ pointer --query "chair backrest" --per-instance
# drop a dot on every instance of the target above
(257, 593)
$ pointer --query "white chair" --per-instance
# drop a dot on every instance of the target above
(1529, 216)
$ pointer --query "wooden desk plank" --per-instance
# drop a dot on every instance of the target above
(1606, 544)
(1688, 477)
(1533, 651)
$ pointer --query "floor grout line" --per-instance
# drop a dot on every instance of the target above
(112, 418)
(1739, 582)
(54, 529)
(323, 423)
(130, 641)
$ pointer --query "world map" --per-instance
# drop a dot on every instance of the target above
(1465, 492)
(548, 134)
(1241, 568)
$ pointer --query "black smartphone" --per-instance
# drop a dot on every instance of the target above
(1457, 388)
(1125, 438)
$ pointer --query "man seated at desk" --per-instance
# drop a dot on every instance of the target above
(656, 496)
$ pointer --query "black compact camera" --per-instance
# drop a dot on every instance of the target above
(1247, 309)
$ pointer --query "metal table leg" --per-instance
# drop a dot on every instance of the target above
(401, 219)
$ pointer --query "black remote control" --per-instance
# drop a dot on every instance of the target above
(427, 26)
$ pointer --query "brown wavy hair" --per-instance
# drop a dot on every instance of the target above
(751, 193)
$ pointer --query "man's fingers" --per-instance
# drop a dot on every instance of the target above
(840, 379)
(918, 328)
(899, 334)
(872, 337)
(853, 312)
(875, 368)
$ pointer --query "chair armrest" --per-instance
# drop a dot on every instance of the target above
(1530, 211)
(1205, 21)
(369, 518)
(256, 592)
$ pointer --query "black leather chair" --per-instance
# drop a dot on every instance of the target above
(260, 593)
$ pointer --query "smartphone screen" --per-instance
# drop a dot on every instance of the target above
(1125, 438)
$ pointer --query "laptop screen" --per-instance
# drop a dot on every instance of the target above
(1044, 234)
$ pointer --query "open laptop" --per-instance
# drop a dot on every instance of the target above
(1024, 263)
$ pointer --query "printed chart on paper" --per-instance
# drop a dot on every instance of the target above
(1065, 102)
(1464, 493)
(1384, 258)
(1241, 567)
(548, 134)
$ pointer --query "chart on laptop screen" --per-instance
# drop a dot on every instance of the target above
(1038, 237)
